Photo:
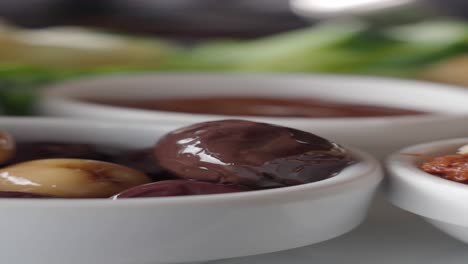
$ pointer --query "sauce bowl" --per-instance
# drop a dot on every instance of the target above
(377, 135)
(439, 201)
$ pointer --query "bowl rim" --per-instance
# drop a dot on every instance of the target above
(403, 168)
(57, 95)
(368, 170)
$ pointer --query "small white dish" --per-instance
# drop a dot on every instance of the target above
(441, 202)
(377, 135)
(174, 229)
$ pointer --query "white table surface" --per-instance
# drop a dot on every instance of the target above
(389, 236)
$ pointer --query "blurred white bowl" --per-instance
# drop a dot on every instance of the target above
(174, 229)
(339, 8)
(378, 135)
(441, 202)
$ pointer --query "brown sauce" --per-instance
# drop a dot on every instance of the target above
(256, 106)
(451, 167)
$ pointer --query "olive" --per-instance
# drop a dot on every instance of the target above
(144, 161)
(22, 195)
(7, 147)
(70, 178)
(178, 188)
(252, 154)
(27, 151)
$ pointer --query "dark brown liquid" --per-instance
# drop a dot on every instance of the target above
(256, 106)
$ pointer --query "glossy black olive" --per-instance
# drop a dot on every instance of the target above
(251, 154)
(178, 188)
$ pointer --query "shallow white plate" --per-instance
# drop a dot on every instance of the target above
(174, 229)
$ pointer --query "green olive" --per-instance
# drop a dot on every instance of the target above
(70, 178)
(7, 147)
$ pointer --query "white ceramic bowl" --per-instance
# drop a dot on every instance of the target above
(441, 202)
(174, 229)
(380, 136)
